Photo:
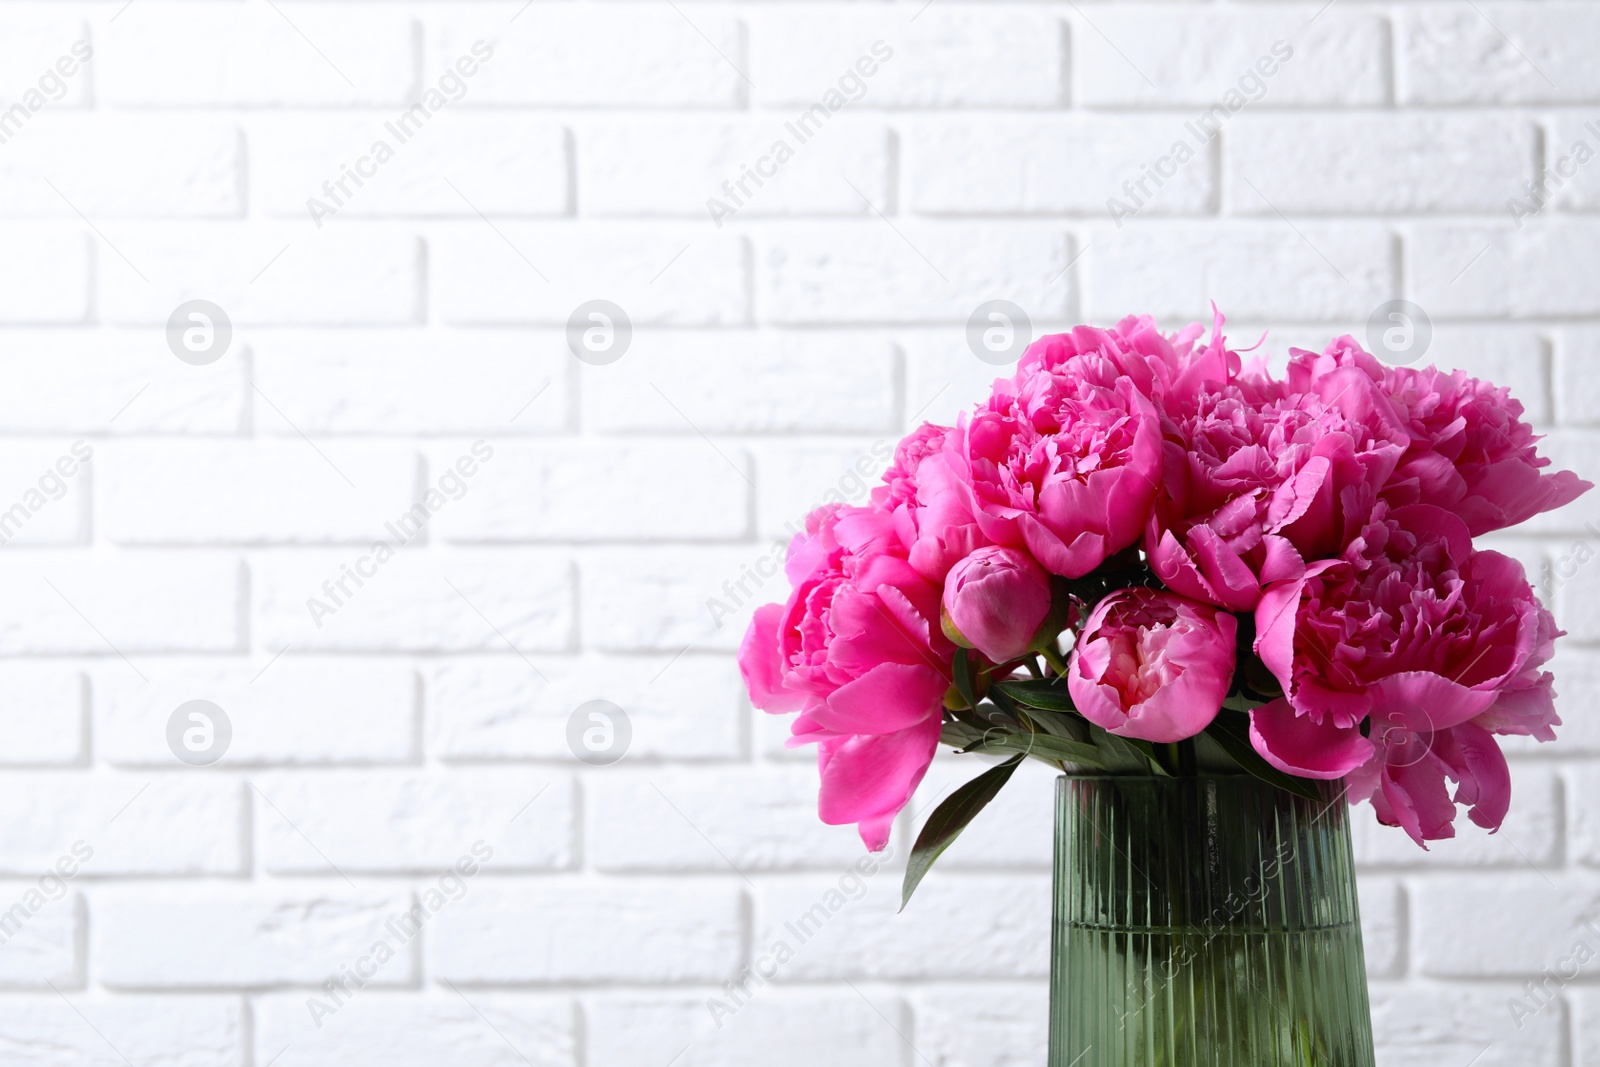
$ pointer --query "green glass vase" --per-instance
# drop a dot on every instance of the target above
(1204, 921)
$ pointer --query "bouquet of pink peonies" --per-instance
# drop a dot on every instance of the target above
(1140, 556)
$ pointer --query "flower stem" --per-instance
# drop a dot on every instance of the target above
(1053, 658)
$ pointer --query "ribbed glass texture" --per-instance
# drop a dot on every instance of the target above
(1204, 921)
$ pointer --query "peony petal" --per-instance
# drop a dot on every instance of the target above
(870, 778)
(888, 698)
(1295, 744)
(761, 666)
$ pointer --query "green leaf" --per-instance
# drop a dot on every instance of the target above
(949, 819)
(1051, 695)
(1126, 755)
(1046, 746)
(1231, 730)
(963, 678)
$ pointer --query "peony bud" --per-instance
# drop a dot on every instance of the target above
(1153, 665)
(995, 600)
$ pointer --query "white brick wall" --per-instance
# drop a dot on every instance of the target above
(776, 355)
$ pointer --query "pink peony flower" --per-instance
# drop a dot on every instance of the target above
(1258, 481)
(1063, 464)
(1397, 661)
(930, 506)
(1160, 366)
(1153, 665)
(1468, 450)
(996, 599)
(858, 651)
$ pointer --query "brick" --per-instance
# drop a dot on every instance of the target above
(256, 492)
(797, 169)
(409, 603)
(1585, 828)
(736, 381)
(1173, 55)
(1550, 910)
(134, 167)
(42, 714)
(983, 1025)
(1577, 392)
(721, 820)
(96, 1030)
(653, 58)
(399, 821)
(772, 1027)
(292, 710)
(113, 382)
(652, 599)
(43, 929)
(186, 937)
(269, 274)
(33, 39)
(547, 492)
(123, 825)
(1575, 603)
(502, 165)
(862, 937)
(412, 1030)
(882, 271)
(44, 492)
(794, 478)
(1531, 833)
(1034, 166)
(1502, 54)
(943, 58)
(117, 605)
(1426, 1027)
(1383, 930)
(298, 55)
(1586, 1012)
(677, 274)
(1016, 829)
(1427, 164)
(1486, 270)
(44, 278)
(1567, 182)
(490, 709)
(567, 931)
(493, 382)
(1566, 450)
(1265, 269)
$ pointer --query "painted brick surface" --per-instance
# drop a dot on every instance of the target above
(542, 327)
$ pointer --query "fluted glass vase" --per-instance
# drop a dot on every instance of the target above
(1204, 921)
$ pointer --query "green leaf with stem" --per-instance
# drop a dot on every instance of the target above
(949, 819)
